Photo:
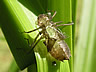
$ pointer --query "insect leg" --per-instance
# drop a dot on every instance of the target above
(57, 22)
(35, 44)
(51, 17)
(54, 14)
(32, 30)
(35, 38)
(64, 24)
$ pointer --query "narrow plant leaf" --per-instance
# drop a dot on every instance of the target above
(44, 60)
(64, 13)
(74, 13)
(34, 6)
(14, 19)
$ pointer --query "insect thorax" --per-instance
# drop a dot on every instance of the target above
(43, 20)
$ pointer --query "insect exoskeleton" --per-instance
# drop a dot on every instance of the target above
(43, 20)
(60, 50)
(56, 44)
(54, 39)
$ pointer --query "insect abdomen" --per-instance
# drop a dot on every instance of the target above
(60, 51)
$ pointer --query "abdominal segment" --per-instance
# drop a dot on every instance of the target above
(60, 50)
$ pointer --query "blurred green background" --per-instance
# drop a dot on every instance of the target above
(5, 54)
(85, 47)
